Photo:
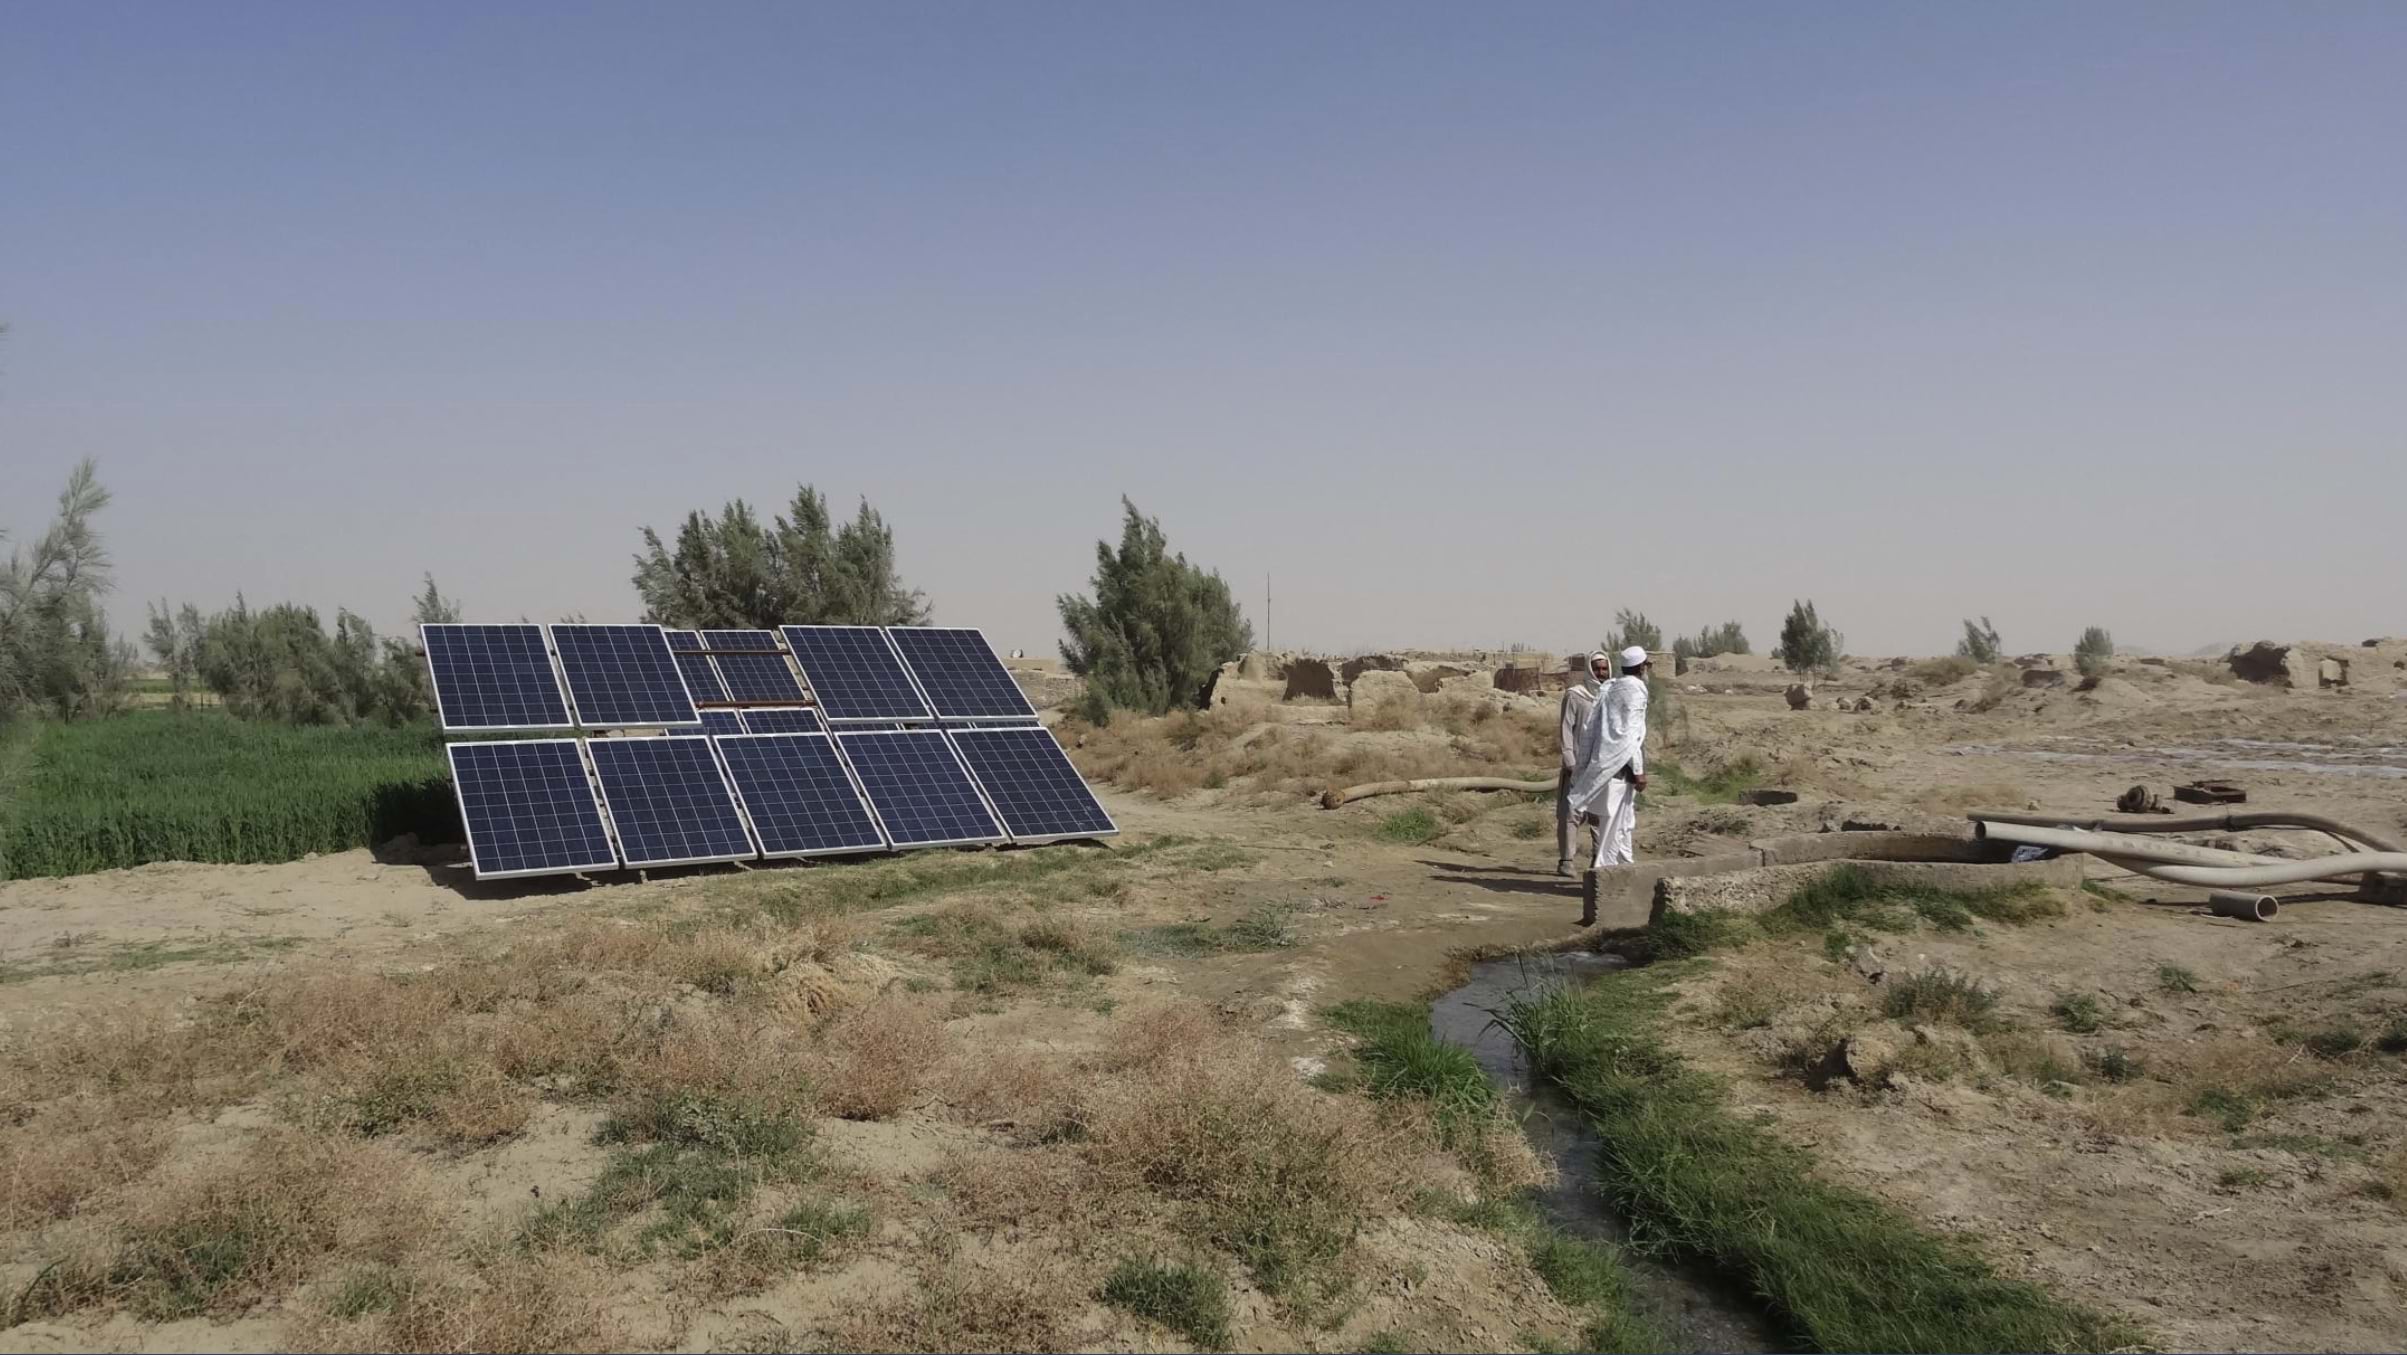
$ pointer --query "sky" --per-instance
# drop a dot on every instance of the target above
(1462, 325)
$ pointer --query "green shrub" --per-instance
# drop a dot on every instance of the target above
(1187, 1299)
(202, 786)
(1980, 644)
(2094, 653)
(2336, 1040)
(1414, 825)
(2079, 1013)
(2175, 979)
(1939, 995)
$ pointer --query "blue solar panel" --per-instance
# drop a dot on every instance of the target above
(700, 678)
(960, 673)
(854, 674)
(493, 677)
(623, 675)
(748, 641)
(782, 720)
(669, 801)
(528, 808)
(714, 722)
(921, 793)
(1032, 784)
(800, 801)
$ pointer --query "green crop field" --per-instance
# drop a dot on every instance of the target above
(203, 786)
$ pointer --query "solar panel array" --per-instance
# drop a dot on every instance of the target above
(1039, 795)
(960, 673)
(529, 808)
(922, 794)
(889, 757)
(855, 674)
(669, 801)
(623, 675)
(801, 800)
(700, 677)
(493, 677)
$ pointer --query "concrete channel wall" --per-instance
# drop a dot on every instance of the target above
(1767, 872)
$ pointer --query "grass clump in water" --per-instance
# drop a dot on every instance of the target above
(1188, 1299)
(1401, 1058)
(1841, 1269)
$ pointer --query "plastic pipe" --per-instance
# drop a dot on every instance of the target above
(2345, 867)
(2200, 823)
(2246, 907)
(2127, 845)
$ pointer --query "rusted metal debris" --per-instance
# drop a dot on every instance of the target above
(2210, 793)
(2140, 800)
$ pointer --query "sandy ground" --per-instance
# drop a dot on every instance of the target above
(2114, 1199)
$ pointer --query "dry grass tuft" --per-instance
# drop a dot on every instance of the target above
(249, 1230)
(505, 1302)
(1277, 1173)
(49, 1169)
(872, 1061)
(1178, 754)
(1032, 1095)
(962, 1309)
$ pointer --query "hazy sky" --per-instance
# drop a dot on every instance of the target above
(1469, 323)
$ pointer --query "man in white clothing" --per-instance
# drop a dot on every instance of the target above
(1578, 699)
(1612, 767)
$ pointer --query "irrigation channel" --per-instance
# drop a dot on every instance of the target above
(1692, 1310)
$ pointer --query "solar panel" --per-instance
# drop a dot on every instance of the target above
(960, 673)
(493, 677)
(758, 677)
(715, 722)
(755, 641)
(922, 796)
(528, 808)
(669, 801)
(854, 674)
(782, 720)
(623, 675)
(700, 678)
(800, 801)
(1032, 785)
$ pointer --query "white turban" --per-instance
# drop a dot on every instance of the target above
(1632, 657)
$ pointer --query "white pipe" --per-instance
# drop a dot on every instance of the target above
(2345, 867)
(2118, 845)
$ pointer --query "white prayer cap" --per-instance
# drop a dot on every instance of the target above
(1632, 657)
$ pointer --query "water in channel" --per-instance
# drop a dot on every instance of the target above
(1692, 1312)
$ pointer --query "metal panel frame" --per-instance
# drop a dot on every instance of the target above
(568, 690)
(950, 751)
(707, 661)
(997, 810)
(930, 698)
(559, 680)
(733, 801)
(592, 787)
(748, 712)
(885, 842)
(820, 700)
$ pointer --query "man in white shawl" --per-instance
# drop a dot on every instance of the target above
(1613, 762)
(1578, 699)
